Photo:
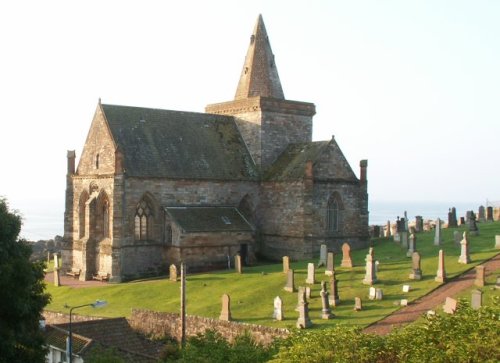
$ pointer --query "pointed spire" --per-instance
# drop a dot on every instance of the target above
(259, 76)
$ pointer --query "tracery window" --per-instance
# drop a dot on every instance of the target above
(143, 221)
(333, 214)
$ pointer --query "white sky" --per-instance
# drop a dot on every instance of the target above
(412, 86)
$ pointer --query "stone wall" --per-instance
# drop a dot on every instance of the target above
(160, 324)
(52, 317)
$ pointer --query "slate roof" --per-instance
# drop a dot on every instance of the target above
(175, 144)
(290, 165)
(209, 219)
(56, 337)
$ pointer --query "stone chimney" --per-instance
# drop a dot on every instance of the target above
(363, 164)
(71, 162)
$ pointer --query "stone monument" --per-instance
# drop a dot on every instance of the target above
(441, 272)
(311, 274)
(330, 265)
(290, 281)
(286, 264)
(370, 275)
(346, 256)
(438, 239)
(173, 273)
(303, 322)
(226, 308)
(334, 291)
(416, 272)
(479, 281)
(326, 312)
(278, 309)
(464, 251)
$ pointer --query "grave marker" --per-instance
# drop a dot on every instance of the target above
(479, 281)
(412, 244)
(497, 242)
(311, 278)
(57, 280)
(226, 308)
(370, 275)
(476, 299)
(464, 251)
(326, 312)
(346, 256)
(450, 305)
(441, 272)
(290, 281)
(416, 273)
(238, 267)
(286, 264)
(303, 321)
(278, 309)
(322, 255)
(173, 273)
(489, 214)
(330, 265)
(438, 239)
(358, 304)
(334, 291)
(481, 215)
(457, 237)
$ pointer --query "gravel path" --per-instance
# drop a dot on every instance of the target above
(420, 306)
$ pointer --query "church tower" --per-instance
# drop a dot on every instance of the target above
(267, 121)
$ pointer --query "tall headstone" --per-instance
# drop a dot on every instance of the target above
(468, 215)
(334, 291)
(403, 239)
(326, 312)
(330, 265)
(308, 292)
(57, 280)
(346, 256)
(56, 261)
(481, 214)
(311, 271)
(358, 304)
(370, 275)
(457, 237)
(388, 232)
(237, 264)
(464, 251)
(173, 273)
(473, 230)
(476, 299)
(303, 322)
(225, 313)
(290, 281)
(441, 271)
(286, 264)
(452, 218)
(419, 224)
(497, 242)
(322, 255)
(489, 214)
(438, 239)
(278, 309)
(479, 281)
(416, 272)
(412, 244)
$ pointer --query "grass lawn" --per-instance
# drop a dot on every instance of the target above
(252, 292)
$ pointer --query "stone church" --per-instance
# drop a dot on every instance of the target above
(156, 187)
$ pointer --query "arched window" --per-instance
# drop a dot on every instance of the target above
(333, 213)
(143, 221)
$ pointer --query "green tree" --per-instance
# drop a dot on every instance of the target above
(22, 294)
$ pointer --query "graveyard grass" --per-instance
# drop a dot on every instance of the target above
(252, 292)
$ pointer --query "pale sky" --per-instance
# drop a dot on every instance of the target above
(412, 86)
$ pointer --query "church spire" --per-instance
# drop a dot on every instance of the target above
(259, 76)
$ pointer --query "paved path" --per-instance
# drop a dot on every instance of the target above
(425, 303)
(66, 280)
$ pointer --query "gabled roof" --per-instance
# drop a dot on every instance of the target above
(209, 219)
(259, 76)
(56, 337)
(174, 144)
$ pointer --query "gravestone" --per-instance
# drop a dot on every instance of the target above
(403, 302)
(379, 294)
(479, 281)
(441, 271)
(450, 305)
(278, 309)
(173, 273)
(419, 224)
(388, 232)
(290, 281)
(403, 239)
(376, 231)
(476, 299)
(412, 244)
(57, 279)
(457, 237)
(497, 242)
(481, 214)
(330, 265)
(406, 288)
(438, 239)
(416, 273)
(346, 256)
(489, 214)
(473, 230)
(308, 292)
(322, 255)
(462, 221)
(286, 264)
(371, 293)
(497, 284)
(358, 304)
(303, 321)
(334, 291)
(56, 261)
(311, 278)
(464, 250)
(225, 313)
(326, 312)
(370, 275)
(468, 215)
(237, 264)
(452, 218)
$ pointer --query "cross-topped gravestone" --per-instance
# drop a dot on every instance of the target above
(290, 281)
(226, 308)
(464, 251)
(322, 255)
(286, 264)
(330, 265)
(326, 312)
(438, 239)
(303, 322)
(334, 291)
(278, 309)
(311, 278)
(346, 256)
(441, 272)
(416, 272)
(479, 281)
(173, 273)
(370, 275)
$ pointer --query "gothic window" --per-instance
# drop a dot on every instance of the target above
(143, 221)
(333, 210)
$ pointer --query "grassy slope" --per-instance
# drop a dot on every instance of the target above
(252, 293)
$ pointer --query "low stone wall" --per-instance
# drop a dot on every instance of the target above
(52, 317)
(160, 324)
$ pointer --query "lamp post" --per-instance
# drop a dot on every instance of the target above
(96, 304)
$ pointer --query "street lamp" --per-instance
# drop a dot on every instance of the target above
(96, 304)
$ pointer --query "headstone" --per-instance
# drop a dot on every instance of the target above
(462, 221)
(57, 280)
(406, 288)
(412, 245)
(481, 214)
(406, 221)
(468, 215)
(358, 305)
(278, 309)
(290, 281)
(441, 272)
(450, 305)
(346, 256)
(173, 273)
(452, 218)
(326, 312)
(403, 302)
(473, 230)
(334, 291)
(370, 275)
(371, 293)
(438, 239)
(497, 242)
(416, 272)
(419, 224)
(311, 278)
(388, 229)
(308, 292)
(286, 264)
(225, 313)
(376, 231)
(464, 251)
(476, 299)
(457, 237)
(330, 265)
(56, 261)
(497, 284)
(403, 237)
(489, 214)
(237, 264)
(377, 265)
(479, 281)
(303, 322)
(322, 255)
(378, 294)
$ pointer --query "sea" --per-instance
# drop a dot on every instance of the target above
(45, 221)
